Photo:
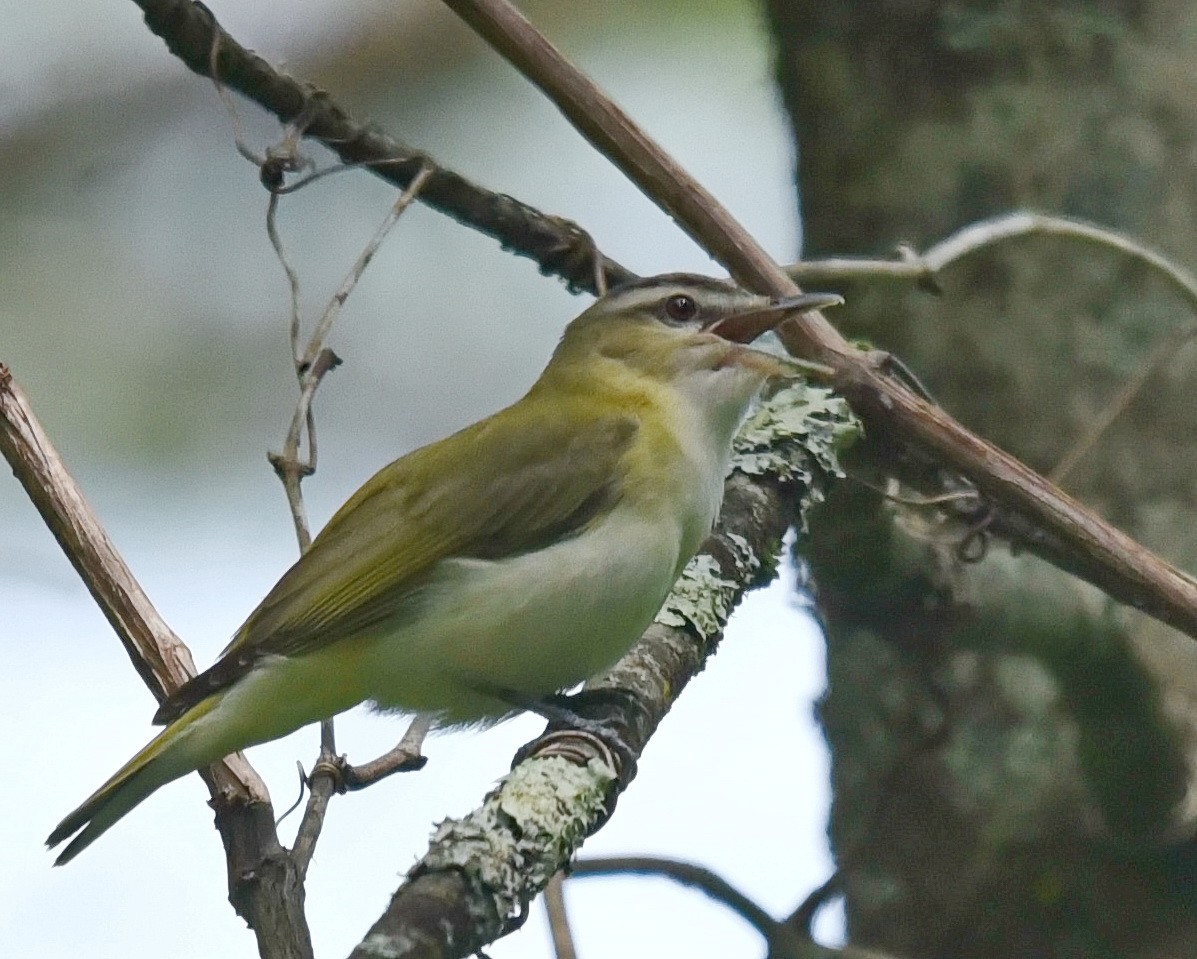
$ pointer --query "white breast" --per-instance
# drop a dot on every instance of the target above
(531, 624)
(547, 620)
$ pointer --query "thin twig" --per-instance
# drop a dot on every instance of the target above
(303, 791)
(784, 942)
(276, 241)
(404, 758)
(1062, 531)
(557, 246)
(316, 343)
(927, 268)
(288, 464)
(697, 877)
(315, 360)
(558, 915)
(963, 500)
(802, 919)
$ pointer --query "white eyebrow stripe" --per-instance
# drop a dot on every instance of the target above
(650, 291)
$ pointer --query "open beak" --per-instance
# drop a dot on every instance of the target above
(746, 327)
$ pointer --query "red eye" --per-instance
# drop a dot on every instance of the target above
(681, 308)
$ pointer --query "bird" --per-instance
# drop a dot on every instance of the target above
(494, 568)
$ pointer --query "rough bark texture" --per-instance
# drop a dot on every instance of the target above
(1009, 753)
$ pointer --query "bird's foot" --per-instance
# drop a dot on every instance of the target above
(598, 720)
(600, 715)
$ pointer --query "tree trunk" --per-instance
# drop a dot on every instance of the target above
(1009, 751)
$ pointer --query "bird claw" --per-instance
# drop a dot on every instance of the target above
(596, 715)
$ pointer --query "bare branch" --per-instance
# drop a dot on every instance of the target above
(787, 939)
(404, 758)
(925, 268)
(315, 360)
(276, 241)
(803, 918)
(239, 797)
(554, 904)
(688, 874)
(316, 343)
(558, 247)
(977, 236)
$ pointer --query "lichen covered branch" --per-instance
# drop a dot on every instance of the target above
(481, 872)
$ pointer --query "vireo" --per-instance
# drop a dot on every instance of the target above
(514, 559)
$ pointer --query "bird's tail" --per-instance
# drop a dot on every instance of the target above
(168, 756)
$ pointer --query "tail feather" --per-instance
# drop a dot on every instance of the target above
(277, 697)
(165, 758)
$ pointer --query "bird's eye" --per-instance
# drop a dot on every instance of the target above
(681, 308)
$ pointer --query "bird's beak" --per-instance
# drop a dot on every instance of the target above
(746, 327)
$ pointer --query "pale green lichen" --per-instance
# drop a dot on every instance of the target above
(798, 427)
(384, 945)
(525, 830)
(703, 597)
(796, 435)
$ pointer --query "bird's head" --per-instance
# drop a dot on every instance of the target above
(682, 330)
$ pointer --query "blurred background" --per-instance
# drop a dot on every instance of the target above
(143, 311)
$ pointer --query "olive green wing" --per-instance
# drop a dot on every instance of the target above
(487, 492)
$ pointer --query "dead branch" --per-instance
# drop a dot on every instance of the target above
(925, 270)
(559, 247)
(244, 815)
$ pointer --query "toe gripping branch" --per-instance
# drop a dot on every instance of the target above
(606, 723)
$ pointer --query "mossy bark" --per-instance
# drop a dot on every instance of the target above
(1009, 750)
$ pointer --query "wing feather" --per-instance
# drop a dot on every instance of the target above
(543, 482)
